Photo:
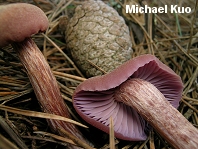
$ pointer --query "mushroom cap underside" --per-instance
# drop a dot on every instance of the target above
(94, 98)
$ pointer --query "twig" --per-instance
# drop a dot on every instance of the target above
(75, 139)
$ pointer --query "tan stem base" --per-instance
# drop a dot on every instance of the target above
(45, 85)
(161, 115)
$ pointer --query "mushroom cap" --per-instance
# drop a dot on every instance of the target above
(94, 98)
(19, 21)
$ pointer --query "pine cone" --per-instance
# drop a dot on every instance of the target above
(96, 33)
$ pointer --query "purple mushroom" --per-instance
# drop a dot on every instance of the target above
(142, 91)
(18, 22)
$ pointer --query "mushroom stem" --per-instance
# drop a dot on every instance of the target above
(158, 112)
(45, 85)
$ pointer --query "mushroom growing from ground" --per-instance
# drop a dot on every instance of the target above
(139, 93)
(18, 22)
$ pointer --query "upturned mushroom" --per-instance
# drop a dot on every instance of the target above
(18, 22)
(141, 93)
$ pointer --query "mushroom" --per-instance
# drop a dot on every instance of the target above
(141, 93)
(18, 22)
